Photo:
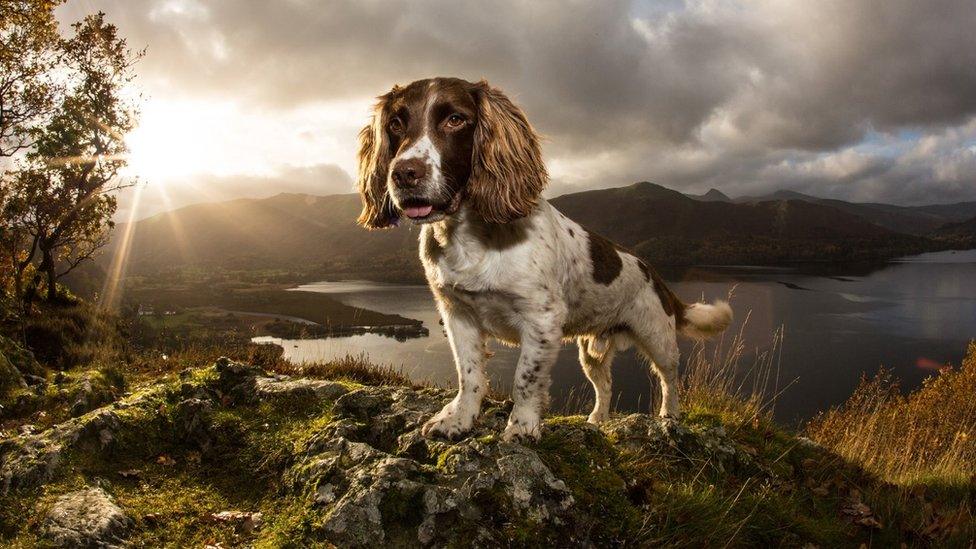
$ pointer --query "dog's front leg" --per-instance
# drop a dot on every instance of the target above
(540, 347)
(470, 354)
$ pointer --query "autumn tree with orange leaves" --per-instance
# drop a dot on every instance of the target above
(59, 193)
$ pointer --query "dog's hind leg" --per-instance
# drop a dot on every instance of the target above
(596, 356)
(663, 355)
(655, 336)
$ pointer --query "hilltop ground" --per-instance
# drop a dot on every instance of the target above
(233, 454)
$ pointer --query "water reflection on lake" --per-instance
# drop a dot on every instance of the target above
(910, 315)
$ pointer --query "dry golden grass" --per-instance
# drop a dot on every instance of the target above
(925, 435)
(352, 368)
(718, 381)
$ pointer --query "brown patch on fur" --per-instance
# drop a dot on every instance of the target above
(374, 162)
(607, 263)
(672, 305)
(507, 174)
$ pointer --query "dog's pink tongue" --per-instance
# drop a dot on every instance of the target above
(420, 211)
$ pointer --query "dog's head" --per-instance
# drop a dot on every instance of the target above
(441, 142)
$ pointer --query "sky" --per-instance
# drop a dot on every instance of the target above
(867, 100)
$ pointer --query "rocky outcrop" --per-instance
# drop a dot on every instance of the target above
(86, 518)
(31, 460)
(361, 475)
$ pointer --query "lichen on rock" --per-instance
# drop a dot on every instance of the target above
(85, 518)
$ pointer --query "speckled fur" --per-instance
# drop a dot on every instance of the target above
(531, 282)
(504, 264)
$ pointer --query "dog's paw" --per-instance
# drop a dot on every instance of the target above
(448, 423)
(597, 418)
(523, 427)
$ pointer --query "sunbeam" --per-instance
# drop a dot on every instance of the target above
(111, 293)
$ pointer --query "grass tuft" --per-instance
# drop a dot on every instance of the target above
(908, 439)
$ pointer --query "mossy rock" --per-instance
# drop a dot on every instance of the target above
(330, 462)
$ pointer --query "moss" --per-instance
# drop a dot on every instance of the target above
(713, 481)
(589, 465)
(402, 511)
(446, 454)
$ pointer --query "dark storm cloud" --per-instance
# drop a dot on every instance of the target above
(743, 96)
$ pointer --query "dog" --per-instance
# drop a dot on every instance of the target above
(461, 160)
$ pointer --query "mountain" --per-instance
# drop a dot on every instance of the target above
(292, 232)
(713, 195)
(964, 230)
(317, 235)
(916, 220)
(668, 227)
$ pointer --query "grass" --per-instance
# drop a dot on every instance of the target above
(926, 436)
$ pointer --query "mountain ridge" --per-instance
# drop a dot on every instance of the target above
(318, 234)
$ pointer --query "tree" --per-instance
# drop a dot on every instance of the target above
(28, 54)
(61, 198)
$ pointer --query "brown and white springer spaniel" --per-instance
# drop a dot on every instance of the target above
(462, 160)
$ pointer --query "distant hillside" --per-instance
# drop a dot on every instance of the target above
(713, 195)
(316, 235)
(292, 232)
(917, 220)
(965, 230)
(668, 227)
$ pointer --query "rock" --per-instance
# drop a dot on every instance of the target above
(237, 381)
(31, 460)
(191, 421)
(83, 400)
(359, 474)
(283, 387)
(22, 359)
(86, 518)
(35, 381)
(377, 482)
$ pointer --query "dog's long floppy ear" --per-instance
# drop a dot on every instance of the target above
(374, 165)
(507, 172)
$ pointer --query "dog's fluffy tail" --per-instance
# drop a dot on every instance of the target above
(702, 321)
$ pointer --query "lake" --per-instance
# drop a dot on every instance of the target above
(840, 322)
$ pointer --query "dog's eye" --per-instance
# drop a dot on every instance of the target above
(455, 121)
(396, 125)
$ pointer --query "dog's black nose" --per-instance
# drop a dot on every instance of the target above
(409, 171)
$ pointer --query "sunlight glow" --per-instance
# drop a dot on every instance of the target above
(110, 291)
(173, 140)
(181, 138)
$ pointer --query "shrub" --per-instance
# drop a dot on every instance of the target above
(63, 336)
(929, 433)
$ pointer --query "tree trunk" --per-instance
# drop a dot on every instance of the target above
(48, 267)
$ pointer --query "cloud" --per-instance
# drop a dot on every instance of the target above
(737, 95)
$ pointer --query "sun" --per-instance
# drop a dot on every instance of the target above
(169, 142)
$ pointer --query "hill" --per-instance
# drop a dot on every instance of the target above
(713, 195)
(290, 232)
(963, 229)
(958, 235)
(338, 460)
(667, 227)
(317, 235)
(916, 220)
